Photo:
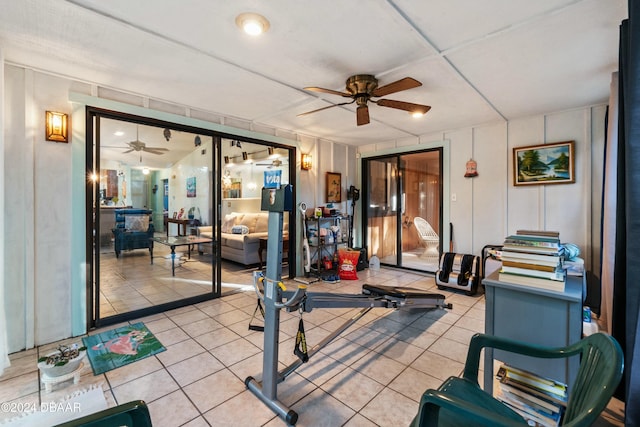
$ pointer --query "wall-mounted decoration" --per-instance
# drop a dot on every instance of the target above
(471, 169)
(56, 128)
(306, 162)
(544, 164)
(191, 187)
(334, 187)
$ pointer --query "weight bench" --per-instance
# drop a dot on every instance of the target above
(406, 297)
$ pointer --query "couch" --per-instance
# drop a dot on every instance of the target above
(133, 230)
(240, 235)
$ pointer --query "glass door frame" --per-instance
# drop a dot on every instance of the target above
(444, 228)
(92, 163)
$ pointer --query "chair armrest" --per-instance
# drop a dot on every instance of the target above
(133, 413)
(474, 415)
(480, 341)
(204, 228)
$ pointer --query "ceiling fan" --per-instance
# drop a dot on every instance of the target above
(138, 145)
(362, 87)
(275, 162)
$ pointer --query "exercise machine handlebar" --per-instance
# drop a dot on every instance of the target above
(277, 286)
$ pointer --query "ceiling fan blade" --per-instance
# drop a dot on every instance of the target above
(152, 151)
(128, 151)
(406, 106)
(397, 86)
(324, 108)
(323, 90)
(155, 148)
(362, 115)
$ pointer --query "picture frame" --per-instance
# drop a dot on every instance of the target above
(191, 186)
(544, 164)
(175, 215)
(334, 187)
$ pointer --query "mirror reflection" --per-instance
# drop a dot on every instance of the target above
(156, 238)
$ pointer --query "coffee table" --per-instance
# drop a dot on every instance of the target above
(175, 241)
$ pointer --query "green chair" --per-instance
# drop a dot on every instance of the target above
(132, 414)
(461, 402)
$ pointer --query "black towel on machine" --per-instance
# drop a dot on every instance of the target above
(446, 262)
(447, 267)
(465, 269)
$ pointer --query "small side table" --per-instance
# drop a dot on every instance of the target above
(49, 382)
(263, 247)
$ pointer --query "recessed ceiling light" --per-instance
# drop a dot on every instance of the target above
(118, 133)
(252, 23)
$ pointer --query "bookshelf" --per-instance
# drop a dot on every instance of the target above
(536, 315)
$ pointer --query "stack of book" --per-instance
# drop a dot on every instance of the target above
(539, 400)
(533, 258)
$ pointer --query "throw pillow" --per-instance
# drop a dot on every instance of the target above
(228, 223)
(240, 229)
(250, 219)
(136, 222)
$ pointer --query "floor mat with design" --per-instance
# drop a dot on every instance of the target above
(118, 347)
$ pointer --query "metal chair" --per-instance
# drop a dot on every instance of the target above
(428, 237)
(461, 401)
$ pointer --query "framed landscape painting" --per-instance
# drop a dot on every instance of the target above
(544, 164)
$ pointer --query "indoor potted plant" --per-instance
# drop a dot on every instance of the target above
(64, 360)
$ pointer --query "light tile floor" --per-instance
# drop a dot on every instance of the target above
(371, 375)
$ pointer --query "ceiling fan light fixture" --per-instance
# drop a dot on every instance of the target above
(252, 23)
(417, 114)
(145, 171)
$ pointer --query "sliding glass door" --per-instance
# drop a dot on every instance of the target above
(403, 209)
(151, 188)
(156, 195)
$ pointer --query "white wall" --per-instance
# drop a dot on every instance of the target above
(489, 207)
(44, 207)
(38, 208)
(198, 166)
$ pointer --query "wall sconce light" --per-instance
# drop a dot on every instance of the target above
(245, 155)
(155, 188)
(270, 151)
(306, 162)
(56, 127)
(226, 160)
